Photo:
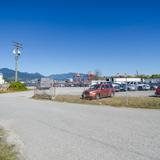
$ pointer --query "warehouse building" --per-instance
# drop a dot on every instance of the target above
(123, 79)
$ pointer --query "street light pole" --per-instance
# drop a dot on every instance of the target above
(16, 65)
(17, 53)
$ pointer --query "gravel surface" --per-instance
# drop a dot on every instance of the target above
(79, 90)
(60, 131)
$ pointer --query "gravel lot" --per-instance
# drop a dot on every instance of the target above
(49, 130)
(136, 93)
(78, 91)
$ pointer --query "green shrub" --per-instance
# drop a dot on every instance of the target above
(17, 86)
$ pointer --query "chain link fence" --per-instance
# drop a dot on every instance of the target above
(45, 93)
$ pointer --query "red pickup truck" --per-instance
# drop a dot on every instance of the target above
(98, 91)
(158, 91)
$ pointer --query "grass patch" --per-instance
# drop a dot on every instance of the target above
(1, 132)
(134, 102)
(44, 97)
(12, 91)
(7, 152)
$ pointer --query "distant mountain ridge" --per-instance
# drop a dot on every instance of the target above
(9, 74)
(64, 76)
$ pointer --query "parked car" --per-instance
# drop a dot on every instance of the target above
(143, 87)
(98, 91)
(158, 91)
(131, 87)
(116, 86)
(140, 88)
(134, 83)
(123, 87)
(147, 87)
(153, 86)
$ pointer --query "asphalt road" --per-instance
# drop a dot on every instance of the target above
(60, 131)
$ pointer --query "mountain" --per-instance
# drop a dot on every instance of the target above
(23, 76)
(65, 76)
(9, 74)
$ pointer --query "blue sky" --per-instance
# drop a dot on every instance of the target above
(79, 36)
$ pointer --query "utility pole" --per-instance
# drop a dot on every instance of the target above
(137, 73)
(17, 53)
(126, 90)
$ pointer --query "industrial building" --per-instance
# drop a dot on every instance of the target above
(123, 79)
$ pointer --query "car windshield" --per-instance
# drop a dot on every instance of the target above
(94, 87)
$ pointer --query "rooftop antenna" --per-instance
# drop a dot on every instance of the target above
(17, 53)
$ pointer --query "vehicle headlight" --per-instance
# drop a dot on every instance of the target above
(92, 93)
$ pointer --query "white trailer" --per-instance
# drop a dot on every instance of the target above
(124, 80)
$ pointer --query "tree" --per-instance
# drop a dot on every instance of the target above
(155, 76)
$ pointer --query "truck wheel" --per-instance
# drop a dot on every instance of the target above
(97, 96)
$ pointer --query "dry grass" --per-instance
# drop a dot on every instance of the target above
(3, 91)
(44, 97)
(1, 132)
(7, 152)
(134, 102)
